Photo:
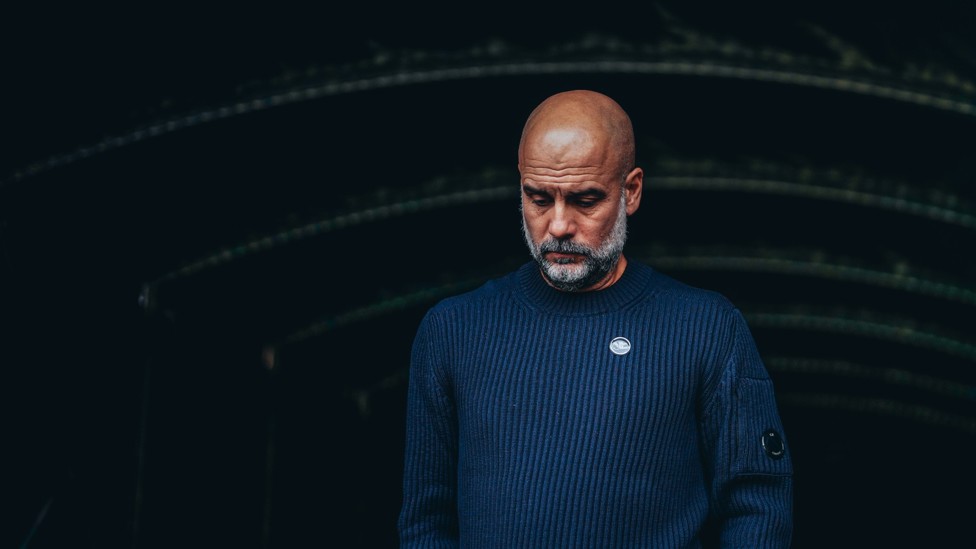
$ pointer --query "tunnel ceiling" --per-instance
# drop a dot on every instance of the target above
(295, 193)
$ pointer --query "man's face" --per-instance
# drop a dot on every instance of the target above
(571, 263)
(575, 203)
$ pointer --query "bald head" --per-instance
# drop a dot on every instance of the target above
(573, 124)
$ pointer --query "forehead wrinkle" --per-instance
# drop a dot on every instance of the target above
(571, 186)
(557, 172)
(577, 175)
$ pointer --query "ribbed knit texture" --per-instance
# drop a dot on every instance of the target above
(524, 430)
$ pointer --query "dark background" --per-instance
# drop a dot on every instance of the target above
(220, 229)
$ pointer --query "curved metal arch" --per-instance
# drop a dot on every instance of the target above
(500, 192)
(895, 333)
(891, 376)
(897, 91)
(830, 271)
(819, 192)
(377, 309)
(493, 188)
(341, 221)
(880, 406)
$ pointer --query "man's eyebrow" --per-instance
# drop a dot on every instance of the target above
(592, 192)
(529, 189)
(597, 193)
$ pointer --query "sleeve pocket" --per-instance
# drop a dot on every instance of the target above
(759, 445)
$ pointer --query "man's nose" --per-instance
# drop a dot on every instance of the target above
(561, 225)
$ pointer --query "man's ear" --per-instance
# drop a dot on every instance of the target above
(633, 188)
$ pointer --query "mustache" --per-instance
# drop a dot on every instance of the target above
(564, 247)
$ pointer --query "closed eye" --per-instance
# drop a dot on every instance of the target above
(587, 199)
(537, 197)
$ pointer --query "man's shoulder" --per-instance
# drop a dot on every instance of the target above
(490, 290)
(678, 292)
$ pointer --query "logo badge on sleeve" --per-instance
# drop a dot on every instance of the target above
(772, 443)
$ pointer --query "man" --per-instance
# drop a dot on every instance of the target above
(586, 400)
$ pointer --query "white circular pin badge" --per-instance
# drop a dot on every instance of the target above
(620, 346)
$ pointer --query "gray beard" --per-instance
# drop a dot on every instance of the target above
(597, 263)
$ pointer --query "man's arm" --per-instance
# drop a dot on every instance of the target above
(751, 468)
(428, 517)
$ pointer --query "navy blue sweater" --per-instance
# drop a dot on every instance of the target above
(526, 427)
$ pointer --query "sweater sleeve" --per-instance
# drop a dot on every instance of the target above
(745, 447)
(428, 516)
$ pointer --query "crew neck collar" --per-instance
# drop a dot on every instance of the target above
(539, 294)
